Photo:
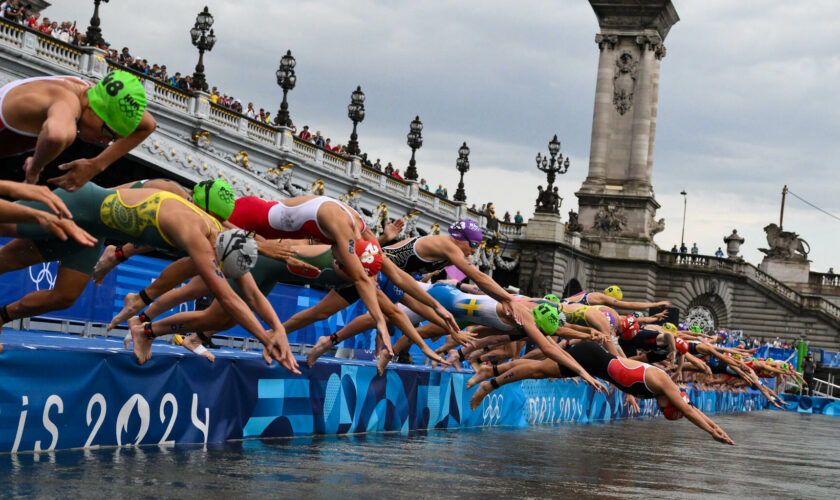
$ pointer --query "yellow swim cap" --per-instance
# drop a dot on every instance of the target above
(614, 292)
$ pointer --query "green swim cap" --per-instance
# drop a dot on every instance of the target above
(695, 329)
(547, 318)
(552, 298)
(119, 100)
(215, 196)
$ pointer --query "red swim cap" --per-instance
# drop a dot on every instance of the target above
(370, 254)
(671, 412)
(682, 345)
(629, 327)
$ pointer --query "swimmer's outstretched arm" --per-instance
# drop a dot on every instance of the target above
(666, 390)
(85, 169)
(278, 343)
(410, 287)
(551, 350)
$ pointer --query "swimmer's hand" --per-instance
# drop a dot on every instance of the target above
(392, 230)
(80, 172)
(20, 191)
(513, 312)
(32, 175)
(447, 318)
(463, 337)
(720, 436)
(386, 344)
(64, 229)
(435, 357)
(280, 350)
(598, 386)
(282, 250)
(633, 405)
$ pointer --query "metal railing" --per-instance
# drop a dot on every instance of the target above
(825, 389)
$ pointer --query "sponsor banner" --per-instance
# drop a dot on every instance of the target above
(89, 393)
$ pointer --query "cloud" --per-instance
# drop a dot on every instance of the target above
(747, 98)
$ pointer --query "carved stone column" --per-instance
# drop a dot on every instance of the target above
(617, 205)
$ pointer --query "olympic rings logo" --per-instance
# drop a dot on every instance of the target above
(492, 409)
(43, 274)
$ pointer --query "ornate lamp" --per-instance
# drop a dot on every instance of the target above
(463, 166)
(204, 41)
(415, 141)
(356, 113)
(554, 164)
(93, 36)
(286, 79)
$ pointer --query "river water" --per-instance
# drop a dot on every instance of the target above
(777, 455)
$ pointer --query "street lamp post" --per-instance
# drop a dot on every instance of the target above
(548, 201)
(463, 166)
(415, 141)
(203, 41)
(286, 79)
(93, 36)
(685, 205)
(356, 113)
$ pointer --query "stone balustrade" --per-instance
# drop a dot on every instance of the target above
(699, 261)
(716, 264)
(197, 138)
(824, 279)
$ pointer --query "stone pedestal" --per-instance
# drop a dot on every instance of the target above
(616, 199)
(623, 248)
(545, 227)
(785, 270)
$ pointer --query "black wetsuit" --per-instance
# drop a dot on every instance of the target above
(645, 340)
(597, 362)
(406, 258)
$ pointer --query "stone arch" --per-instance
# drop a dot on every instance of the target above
(711, 292)
(572, 287)
(710, 305)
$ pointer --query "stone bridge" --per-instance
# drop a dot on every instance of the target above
(196, 139)
(711, 291)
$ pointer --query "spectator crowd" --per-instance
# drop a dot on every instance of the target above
(67, 32)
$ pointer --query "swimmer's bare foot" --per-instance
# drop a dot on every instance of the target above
(106, 263)
(142, 343)
(127, 340)
(382, 362)
(483, 390)
(482, 372)
(133, 305)
(193, 343)
(1, 330)
(319, 349)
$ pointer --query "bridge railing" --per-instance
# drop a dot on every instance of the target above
(700, 261)
(46, 55)
(717, 264)
(824, 279)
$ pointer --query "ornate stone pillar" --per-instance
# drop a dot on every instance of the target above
(617, 205)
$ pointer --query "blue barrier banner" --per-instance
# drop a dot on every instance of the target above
(62, 391)
(98, 304)
(810, 404)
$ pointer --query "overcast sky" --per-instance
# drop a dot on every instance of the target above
(748, 95)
